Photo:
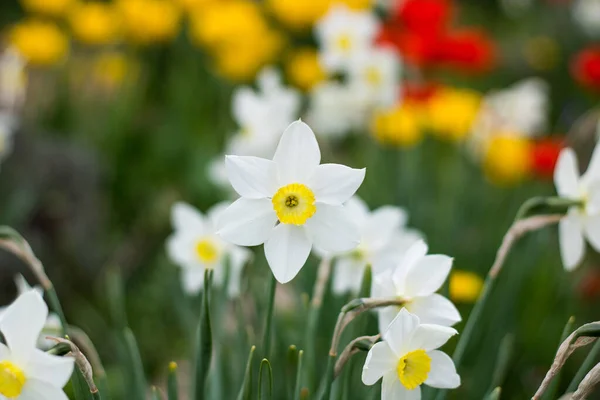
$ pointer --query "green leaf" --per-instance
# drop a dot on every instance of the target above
(80, 387)
(116, 298)
(204, 343)
(136, 365)
(494, 395)
(298, 387)
(266, 365)
(290, 369)
(155, 394)
(246, 389)
(588, 330)
(269, 318)
(172, 389)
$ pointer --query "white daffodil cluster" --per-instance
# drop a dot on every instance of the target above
(13, 82)
(52, 326)
(408, 358)
(587, 15)
(195, 247)
(27, 373)
(261, 117)
(582, 220)
(370, 74)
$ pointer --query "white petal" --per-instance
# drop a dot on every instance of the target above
(380, 360)
(238, 258)
(572, 245)
(434, 309)
(359, 210)
(411, 257)
(214, 213)
(247, 222)
(332, 229)
(392, 389)
(566, 174)
(297, 154)
(400, 331)
(592, 172)
(385, 316)
(51, 369)
(186, 217)
(287, 250)
(381, 225)
(4, 352)
(427, 275)
(192, 280)
(592, 231)
(347, 275)
(39, 390)
(430, 337)
(335, 183)
(383, 285)
(252, 177)
(443, 372)
(180, 248)
(22, 323)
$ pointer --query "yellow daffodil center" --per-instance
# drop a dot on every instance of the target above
(12, 380)
(413, 369)
(207, 251)
(294, 204)
(373, 76)
(344, 42)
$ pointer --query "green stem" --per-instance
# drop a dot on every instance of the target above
(266, 363)
(269, 320)
(589, 361)
(204, 343)
(298, 386)
(139, 380)
(172, 388)
(329, 376)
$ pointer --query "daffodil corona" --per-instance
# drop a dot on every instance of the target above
(290, 203)
(407, 358)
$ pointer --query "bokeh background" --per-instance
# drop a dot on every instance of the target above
(129, 101)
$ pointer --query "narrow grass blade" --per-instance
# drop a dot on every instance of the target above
(204, 343)
(268, 395)
(246, 389)
(172, 388)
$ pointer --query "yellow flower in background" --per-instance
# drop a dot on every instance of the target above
(194, 5)
(451, 112)
(397, 127)
(95, 23)
(465, 286)
(149, 21)
(507, 159)
(39, 42)
(302, 14)
(226, 22)
(303, 69)
(241, 61)
(111, 69)
(52, 8)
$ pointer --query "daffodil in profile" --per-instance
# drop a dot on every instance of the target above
(415, 279)
(384, 238)
(290, 203)
(582, 221)
(408, 358)
(27, 373)
(195, 247)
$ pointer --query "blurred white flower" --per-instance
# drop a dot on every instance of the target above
(8, 125)
(415, 280)
(407, 358)
(336, 109)
(376, 71)
(25, 372)
(521, 109)
(581, 221)
(52, 327)
(342, 34)
(261, 117)
(383, 240)
(587, 15)
(290, 203)
(195, 247)
(13, 80)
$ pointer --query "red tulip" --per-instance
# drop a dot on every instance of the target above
(586, 67)
(544, 154)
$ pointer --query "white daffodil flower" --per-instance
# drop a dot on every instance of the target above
(377, 72)
(13, 80)
(384, 238)
(52, 327)
(27, 373)
(291, 202)
(195, 247)
(587, 15)
(407, 358)
(342, 33)
(336, 109)
(582, 221)
(415, 280)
